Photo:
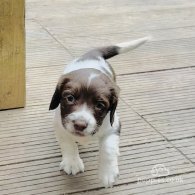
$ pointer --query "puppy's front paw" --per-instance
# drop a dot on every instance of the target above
(72, 165)
(109, 175)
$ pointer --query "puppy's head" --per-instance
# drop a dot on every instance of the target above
(85, 97)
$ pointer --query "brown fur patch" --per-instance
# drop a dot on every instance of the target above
(101, 89)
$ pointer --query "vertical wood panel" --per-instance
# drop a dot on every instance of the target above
(12, 54)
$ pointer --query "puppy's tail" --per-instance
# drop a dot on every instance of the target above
(127, 46)
(110, 51)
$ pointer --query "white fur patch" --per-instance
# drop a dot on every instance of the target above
(127, 46)
(109, 151)
(63, 134)
(84, 113)
(100, 65)
(91, 77)
(72, 164)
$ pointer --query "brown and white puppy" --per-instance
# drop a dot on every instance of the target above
(85, 100)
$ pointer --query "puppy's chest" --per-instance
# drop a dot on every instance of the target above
(87, 140)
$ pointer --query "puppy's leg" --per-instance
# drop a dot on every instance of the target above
(71, 161)
(109, 151)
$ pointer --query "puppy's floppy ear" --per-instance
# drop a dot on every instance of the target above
(113, 103)
(55, 99)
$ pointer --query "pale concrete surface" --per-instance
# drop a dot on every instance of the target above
(157, 104)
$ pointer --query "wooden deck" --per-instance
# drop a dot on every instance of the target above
(157, 104)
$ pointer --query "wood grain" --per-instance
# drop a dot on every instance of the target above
(156, 107)
(12, 54)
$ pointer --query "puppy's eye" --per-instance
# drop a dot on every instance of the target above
(70, 99)
(100, 106)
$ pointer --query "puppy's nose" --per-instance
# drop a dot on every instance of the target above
(80, 125)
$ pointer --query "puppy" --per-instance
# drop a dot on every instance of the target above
(85, 100)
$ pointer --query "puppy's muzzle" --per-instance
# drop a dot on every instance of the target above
(80, 125)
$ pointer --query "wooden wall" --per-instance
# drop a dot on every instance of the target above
(12, 54)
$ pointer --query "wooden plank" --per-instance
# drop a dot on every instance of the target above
(171, 47)
(166, 186)
(42, 49)
(157, 47)
(135, 162)
(173, 124)
(187, 146)
(162, 91)
(12, 55)
(128, 19)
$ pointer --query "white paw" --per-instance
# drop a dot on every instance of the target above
(109, 175)
(72, 165)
